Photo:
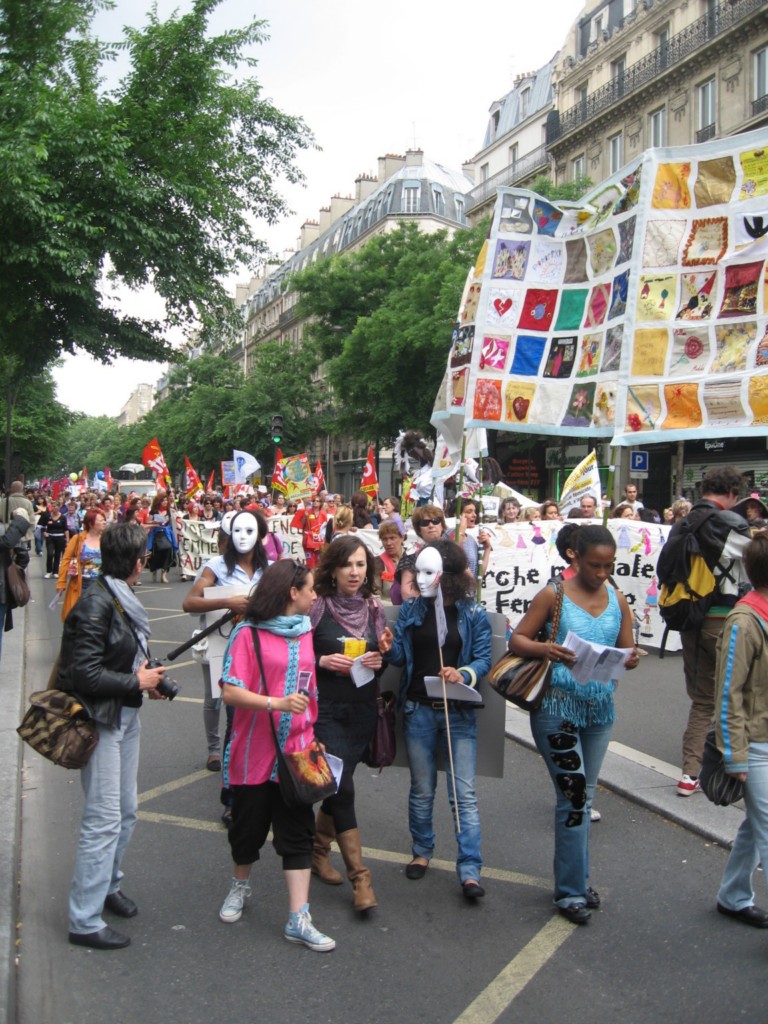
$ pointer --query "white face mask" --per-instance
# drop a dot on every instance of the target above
(429, 568)
(245, 532)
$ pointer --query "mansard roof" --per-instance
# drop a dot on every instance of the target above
(430, 180)
(509, 106)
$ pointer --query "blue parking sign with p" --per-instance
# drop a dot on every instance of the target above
(638, 462)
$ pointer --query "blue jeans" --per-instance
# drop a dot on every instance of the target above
(751, 844)
(109, 817)
(423, 726)
(573, 755)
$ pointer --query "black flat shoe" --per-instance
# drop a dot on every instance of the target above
(472, 890)
(593, 898)
(576, 913)
(119, 904)
(753, 916)
(105, 938)
(415, 871)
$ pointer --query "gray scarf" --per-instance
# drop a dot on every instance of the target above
(136, 614)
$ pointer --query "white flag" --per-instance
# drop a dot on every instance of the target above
(245, 465)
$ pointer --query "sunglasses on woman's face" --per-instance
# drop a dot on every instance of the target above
(431, 522)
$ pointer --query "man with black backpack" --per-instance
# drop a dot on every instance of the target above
(716, 537)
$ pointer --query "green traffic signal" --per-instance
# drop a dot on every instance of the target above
(276, 428)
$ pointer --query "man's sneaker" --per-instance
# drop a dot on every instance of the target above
(48, 576)
(595, 815)
(301, 929)
(688, 786)
(232, 907)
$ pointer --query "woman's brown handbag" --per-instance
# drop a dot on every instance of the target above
(58, 726)
(526, 681)
(17, 588)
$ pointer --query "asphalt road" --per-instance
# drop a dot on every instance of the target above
(656, 950)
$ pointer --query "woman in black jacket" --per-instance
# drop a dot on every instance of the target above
(104, 661)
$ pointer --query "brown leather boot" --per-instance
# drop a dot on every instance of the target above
(357, 873)
(321, 849)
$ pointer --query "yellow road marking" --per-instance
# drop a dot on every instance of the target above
(521, 969)
(174, 819)
(169, 787)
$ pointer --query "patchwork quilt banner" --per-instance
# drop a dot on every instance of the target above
(639, 314)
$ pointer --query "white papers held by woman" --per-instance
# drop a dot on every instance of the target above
(595, 661)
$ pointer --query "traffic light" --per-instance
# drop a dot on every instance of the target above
(276, 428)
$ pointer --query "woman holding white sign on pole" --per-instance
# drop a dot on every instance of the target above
(463, 657)
(572, 727)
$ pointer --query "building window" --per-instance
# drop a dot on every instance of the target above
(525, 103)
(411, 195)
(484, 172)
(577, 168)
(760, 92)
(513, 150)
(705, 110)
(658, 125)
(618, 69)
(615, 150)
(438, 200)
(459, 203)
(662, 44)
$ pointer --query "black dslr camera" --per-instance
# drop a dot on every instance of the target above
(167, 687)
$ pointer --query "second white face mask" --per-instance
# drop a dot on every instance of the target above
(429, 568)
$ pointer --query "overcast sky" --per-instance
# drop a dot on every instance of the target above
(368, 79)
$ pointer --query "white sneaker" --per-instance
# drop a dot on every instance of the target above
(48, 576)
(300, 929)
(595, 815)
(688, 786)
(232, 907)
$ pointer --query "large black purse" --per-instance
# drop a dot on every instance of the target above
(716, 784)
(526, 681)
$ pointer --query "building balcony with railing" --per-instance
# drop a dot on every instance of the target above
(692, 40)
(515, 174)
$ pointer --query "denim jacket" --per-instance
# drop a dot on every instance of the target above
(474, 630)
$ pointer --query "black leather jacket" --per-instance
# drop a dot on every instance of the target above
(97, 654)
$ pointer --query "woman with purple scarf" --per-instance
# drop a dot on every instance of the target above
(350, 635)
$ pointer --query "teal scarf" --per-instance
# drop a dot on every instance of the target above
(289, 626)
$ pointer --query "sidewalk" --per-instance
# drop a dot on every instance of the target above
(11, 704)
(629, 773)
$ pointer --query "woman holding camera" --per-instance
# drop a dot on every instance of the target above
(104, 662)
(278, 622)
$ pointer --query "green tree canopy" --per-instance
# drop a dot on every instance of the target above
(382, 319)
(159, 181)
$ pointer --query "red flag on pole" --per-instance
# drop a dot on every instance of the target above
(153, 459)
(319, 478)
(370, 484)
(108, 478)
(193, 483)
(84, 476)
(209, 488)
(278, 479)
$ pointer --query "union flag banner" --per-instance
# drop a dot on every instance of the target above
(278, 479)
(193, 483)
(153, 459)
(370, 482)
(639, 314)
(319, 478)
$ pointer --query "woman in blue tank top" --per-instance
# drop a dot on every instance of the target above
(572, 728)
